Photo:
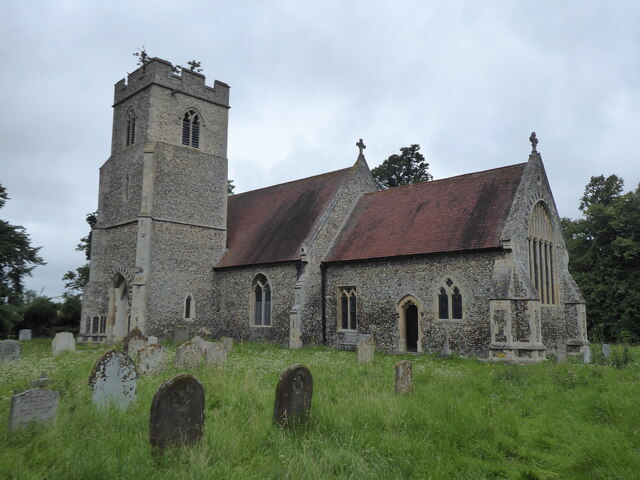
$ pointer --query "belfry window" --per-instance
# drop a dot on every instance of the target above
(449, 301)
(347, 310)
(131, 128)
(261, 301)
(191, 129)
(542, 266)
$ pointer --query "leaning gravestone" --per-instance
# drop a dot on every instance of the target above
(62, 342)
(228, 343)
(293, 396)
(606, 350)
(188, 355)
(404, 377)
(35, 405)
(135, 345)
(136, 333)
(181, 333)
(214, 353)
(9, 350)
(24, 334)
(177, 412)
(365, 350)
(152, 359)
(114, 380)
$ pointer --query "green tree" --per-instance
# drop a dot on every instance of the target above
(604, 257)
(40, 316)
(17, 259)
(404, 169)
(75, 280)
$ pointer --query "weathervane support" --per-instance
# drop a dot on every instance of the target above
(534, 142)
(361, 146)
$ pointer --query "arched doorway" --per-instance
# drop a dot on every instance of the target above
(118, 315)
(410, 335)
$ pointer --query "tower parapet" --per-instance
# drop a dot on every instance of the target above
(161, 72)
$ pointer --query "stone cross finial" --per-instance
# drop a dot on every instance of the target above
(534, 141)
(361, 146)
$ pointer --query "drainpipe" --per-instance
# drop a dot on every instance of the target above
(322, 302)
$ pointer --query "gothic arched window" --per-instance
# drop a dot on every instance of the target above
(191, 129)
(347, 311)
(542, 268)
(449, 301)
(261, 301)
(189, 308)
(131, 128)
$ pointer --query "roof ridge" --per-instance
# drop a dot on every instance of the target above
(293, 181)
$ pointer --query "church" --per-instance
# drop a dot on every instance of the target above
(474, 264)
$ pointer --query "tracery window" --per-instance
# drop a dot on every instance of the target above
(261, 301)
(347, 309)
(542, 265)
(191, 129)
(131, 128)
(449, 301)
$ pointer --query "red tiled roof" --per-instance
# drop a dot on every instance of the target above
(466, 212)
(271, 224)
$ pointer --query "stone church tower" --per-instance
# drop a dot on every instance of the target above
(161, 221)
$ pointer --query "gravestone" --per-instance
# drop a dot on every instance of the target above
(586, 354)
(215, 354)
(136, 333)
(24, 334)
(365, 350)
(198, 341)
(561, 354)
(181, 333)
(404, 377)
(10, 350)
(114, 380)
(43, 381)
(62, 342)
(177, 412)
(293, 396)
(35, 405)
(188, 355)
(152, 339)
(606, 350)
(228, 343)
(135, 345)
(152, 359)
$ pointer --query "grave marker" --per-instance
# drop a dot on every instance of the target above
(62, 342)
(177, 412)
(10, 350)
(181, 333)
(404, 377)
(152, 339)
(43, 381)
(136, 333)
(135, 345)
(35, 405)
(24, 334)
(152, 359)
(114, 380)
(215, 354)
(188, 355)
(293, 396)
(228, 343)
(365, 350)
(606, 350)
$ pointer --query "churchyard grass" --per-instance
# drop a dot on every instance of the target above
(464, 420)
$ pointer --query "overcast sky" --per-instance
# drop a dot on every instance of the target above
(467, 80)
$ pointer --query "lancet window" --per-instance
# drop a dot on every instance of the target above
(261, 301)
(131, 128)
(347, 309)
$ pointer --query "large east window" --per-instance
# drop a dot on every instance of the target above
(542, 266)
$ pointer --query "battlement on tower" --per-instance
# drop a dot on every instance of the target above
(160, 72)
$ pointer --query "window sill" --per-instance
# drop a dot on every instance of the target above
(260, 326)
(450, 320)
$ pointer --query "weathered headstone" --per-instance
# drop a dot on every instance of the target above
(35, 405)
(561, 354)
(293, 396)
(586, 354)
(404, 377)
(365, 350)
(136, 333)
(135, 345)
(9, 350)
(177, 412)
(152, 359)
(114, 380)
(62, 342)
(198, 340)
(606, 351)
(188, 355)
(24, 334)
(152, 339)
(215, 353)
(181, 333)
(43, 381)
(228, 343)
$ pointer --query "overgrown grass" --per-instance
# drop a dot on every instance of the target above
(464, 420)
